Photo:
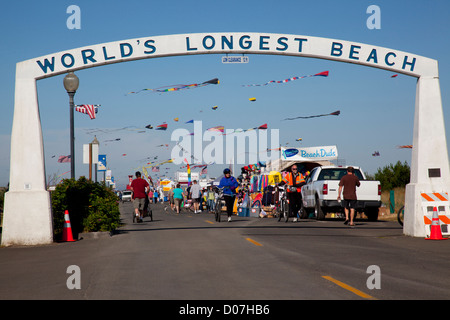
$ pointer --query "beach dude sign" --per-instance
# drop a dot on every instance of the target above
(309, 154)
(232, 43)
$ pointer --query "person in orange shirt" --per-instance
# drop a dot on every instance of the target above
(294, 181)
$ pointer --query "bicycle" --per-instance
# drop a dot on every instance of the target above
(218, 206)
(281, 205)
(400, 215)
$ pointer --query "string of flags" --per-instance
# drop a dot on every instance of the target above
(178, 87)
(335, 113)
(320, 74)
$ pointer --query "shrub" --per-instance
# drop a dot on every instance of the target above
(393, 176)
(92, 207)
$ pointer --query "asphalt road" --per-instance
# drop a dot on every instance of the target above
(191, 257)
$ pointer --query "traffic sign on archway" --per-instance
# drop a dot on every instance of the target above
(27, 203)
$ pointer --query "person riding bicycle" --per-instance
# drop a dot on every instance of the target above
(229, 183)
(294, 181)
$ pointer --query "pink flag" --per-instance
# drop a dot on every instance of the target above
(63, 159)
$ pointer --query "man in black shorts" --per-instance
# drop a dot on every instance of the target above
(349, 182)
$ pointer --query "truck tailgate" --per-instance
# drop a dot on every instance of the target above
(367, 191)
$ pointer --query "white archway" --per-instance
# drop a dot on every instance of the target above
(27, 203)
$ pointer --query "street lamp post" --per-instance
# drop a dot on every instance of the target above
(71, 83)
(95, 146)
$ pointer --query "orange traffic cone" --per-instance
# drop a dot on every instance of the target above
(435, 232)
(67, 230)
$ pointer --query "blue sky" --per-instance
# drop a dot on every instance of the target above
(377, 111)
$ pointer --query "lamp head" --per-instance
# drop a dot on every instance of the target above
(71, 82)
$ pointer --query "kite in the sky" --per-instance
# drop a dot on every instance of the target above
(149, 126)
(214, 108)
(252, 99)
(394, 76)
(299, 139)
(178, 87)
(176, 119)
(162, 127)
(321, 74)
(218, 128)
(261, 127)
(88, 109)
(405, 147)
(190, 121)
(336, 113)
(63, 159)
(376, 154)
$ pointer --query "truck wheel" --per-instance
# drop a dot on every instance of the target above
(303, 212)
(320, 215)
(372, 214)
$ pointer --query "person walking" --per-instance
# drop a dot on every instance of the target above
(171, 201)
(294, 181)
(196, 194)
(155, 196)
(349, 182)
(229, 183)
(140, 188)
(178, 197)
(211, 196)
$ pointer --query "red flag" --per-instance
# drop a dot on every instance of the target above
(264, 126)
(323, 74)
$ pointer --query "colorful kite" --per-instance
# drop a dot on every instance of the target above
(190, 121)
(178, 87)
(336, 113)
(321, 74)
(176, 119)
(218, 128)
(162, 127)
(149, 126)
(214, 108)
(252, 99)
(405, 147)
(188, 172)
(64, 159)
(376, 154)
(88, 109)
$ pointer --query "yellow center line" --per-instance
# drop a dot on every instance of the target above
(254, 242)
(209, 221)
(349, 288)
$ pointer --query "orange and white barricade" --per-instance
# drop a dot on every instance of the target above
(440, 200)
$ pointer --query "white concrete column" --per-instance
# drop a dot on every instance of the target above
(429, 163)
(27, 218)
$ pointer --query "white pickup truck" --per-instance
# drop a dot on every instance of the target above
(321, 191)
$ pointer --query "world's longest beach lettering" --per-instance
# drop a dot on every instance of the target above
(243, 43)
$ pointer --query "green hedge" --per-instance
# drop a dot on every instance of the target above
(92, 207)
